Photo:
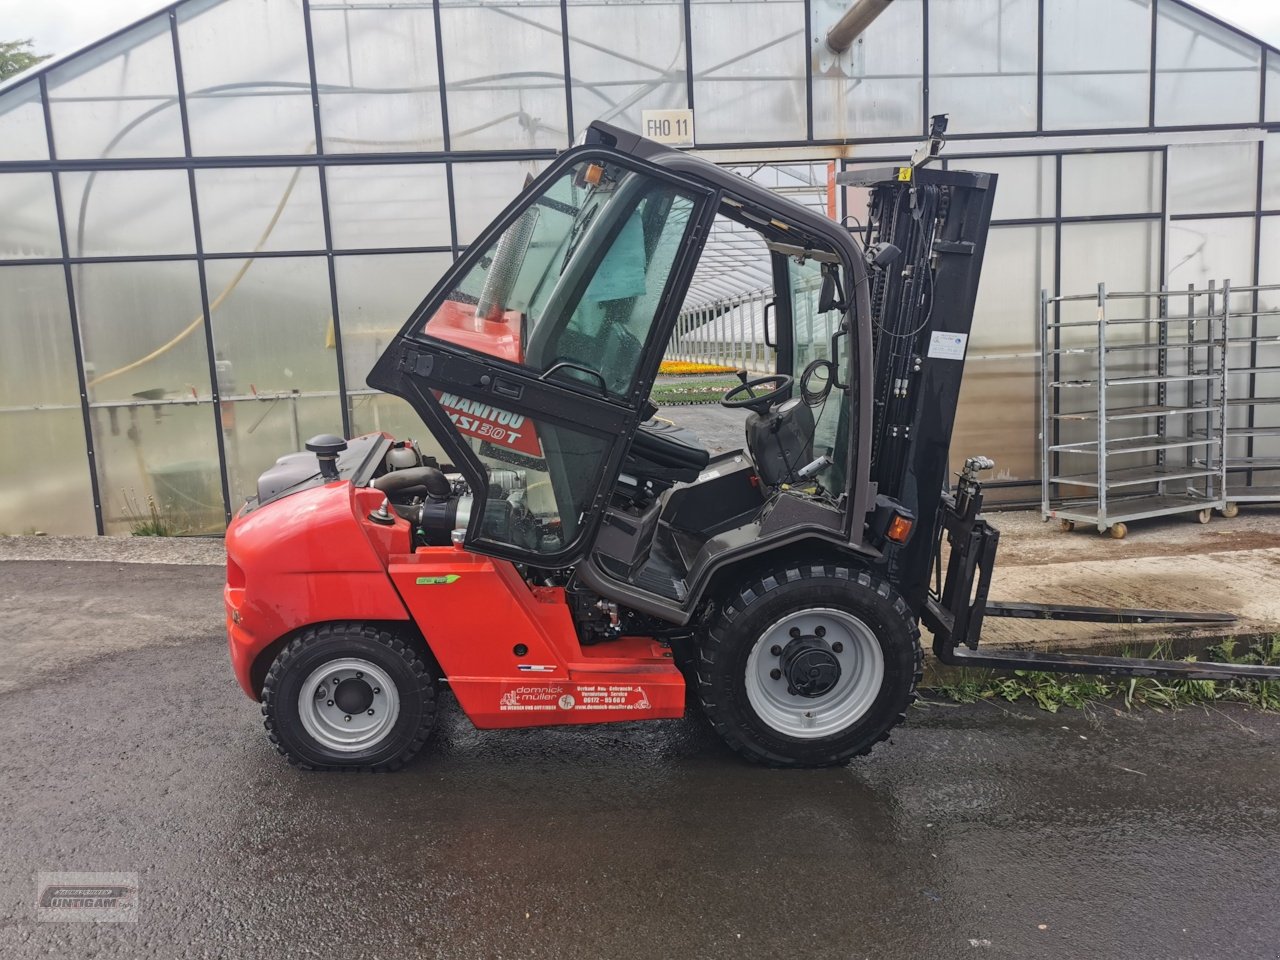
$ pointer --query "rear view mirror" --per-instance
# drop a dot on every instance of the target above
(830, 297)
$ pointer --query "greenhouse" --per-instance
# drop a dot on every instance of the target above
(215, 219)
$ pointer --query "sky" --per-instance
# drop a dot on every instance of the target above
(60, 26)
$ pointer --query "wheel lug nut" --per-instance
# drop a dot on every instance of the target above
(359, 675)
(795, 631)
(776, 650)
(371, 713)
(336, 680)
(837, 647)
(775, 674)
(377, 689)
(347, 718)
(820, 631)
(329, 704)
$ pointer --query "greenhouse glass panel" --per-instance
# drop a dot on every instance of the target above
(376, 295)
(504, 75)
(244, 63)
(1123, 255)
(143, 331)
(247, 209)
(158, 467)
(1269, 261)
(1096, 77)
(482, 190)
(1213, 177)
(625, 58)
(994, 414)
(378, 78)
(276, 358)
(1218, 250)
(1025, 189)
(29, 227)
(47, 489)
(258, 431)
(127, 212)
(33, 313)
(272, 329)
(1205, 73)
(1273, 86)
(1271, 172)
(388, 206)
(1103, 184)
(878, 89)
(40, 408)
(982, 64)
(749, 70)
(22, 131)
(119, 99)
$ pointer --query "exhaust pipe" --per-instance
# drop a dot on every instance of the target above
(855, 20)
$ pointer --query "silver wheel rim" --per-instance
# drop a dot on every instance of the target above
(807, 718)
(320, 707)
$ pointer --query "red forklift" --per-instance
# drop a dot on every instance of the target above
(570, 560)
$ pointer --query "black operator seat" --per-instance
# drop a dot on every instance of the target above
(662, 451)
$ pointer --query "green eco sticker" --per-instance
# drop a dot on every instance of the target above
(432, 581)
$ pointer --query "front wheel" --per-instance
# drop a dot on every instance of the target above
(348, 696)
(810, 666)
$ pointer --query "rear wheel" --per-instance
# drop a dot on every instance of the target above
(348, 696)
(810, 666)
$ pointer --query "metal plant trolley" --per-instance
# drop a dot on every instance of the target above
(1133, 406)
(1251, 451)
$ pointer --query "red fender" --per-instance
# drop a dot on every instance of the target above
(312, 557)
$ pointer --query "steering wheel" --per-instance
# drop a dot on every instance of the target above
(753, 401)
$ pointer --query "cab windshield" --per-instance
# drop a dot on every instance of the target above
(572, 287)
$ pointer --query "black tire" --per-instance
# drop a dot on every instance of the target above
(743, 622)
(414, 683)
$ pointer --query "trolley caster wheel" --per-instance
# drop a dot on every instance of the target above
(1231, 510)
(1204, 516)
(1118, 531)
(1066, 526)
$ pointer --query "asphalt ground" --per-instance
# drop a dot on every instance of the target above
(978, 831)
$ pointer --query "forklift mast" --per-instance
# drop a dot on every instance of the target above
(924, 237)
(925, 234)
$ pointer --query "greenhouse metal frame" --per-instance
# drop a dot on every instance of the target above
(462, 162)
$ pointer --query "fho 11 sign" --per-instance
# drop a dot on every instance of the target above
(672, 127)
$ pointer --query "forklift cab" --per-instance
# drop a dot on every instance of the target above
(532, 361)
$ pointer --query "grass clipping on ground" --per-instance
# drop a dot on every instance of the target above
(1052, 691)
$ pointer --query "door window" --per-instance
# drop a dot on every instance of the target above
(540, 476)
(571, 288)
(812, 332)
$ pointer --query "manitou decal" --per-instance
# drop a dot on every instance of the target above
(509, 431)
